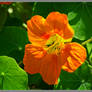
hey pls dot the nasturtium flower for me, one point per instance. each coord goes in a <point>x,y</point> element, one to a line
<point>51,48</point>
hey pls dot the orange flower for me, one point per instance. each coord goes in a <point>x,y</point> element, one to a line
<point>5,3</point>
<point>51,49</point>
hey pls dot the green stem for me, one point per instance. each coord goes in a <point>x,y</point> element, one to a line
<point>24,25</point>
<point>2,75</point>
<point>87,41</point>
<point>88,63</point>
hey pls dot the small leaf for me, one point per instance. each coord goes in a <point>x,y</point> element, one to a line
<point>69,80</point>
<point>85,86</point>
<point>83,71</point>
<point>12,77</point>
<point>89,50</point>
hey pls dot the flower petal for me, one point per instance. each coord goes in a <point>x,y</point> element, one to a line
<point>50,69</point>
<point>36,60</point>
<point>68,33</point>
<point>73,55</point>
<point>32,58</point>
<point>59,23</point>
<point>35,40</point>
<point>37,29</point>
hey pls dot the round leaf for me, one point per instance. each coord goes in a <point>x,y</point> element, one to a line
<point>12,77</point>
<point>12,38</point>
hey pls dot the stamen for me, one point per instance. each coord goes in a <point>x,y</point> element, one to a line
<point>54,44</point>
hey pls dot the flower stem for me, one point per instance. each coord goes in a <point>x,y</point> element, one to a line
<point>87,41</point>
<point>24,25</point>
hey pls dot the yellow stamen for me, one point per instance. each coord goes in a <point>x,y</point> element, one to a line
<point>54,44</point>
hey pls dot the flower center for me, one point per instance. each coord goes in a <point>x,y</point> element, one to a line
<point>54,44</point>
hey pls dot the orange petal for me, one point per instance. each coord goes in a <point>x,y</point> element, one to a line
<point>59,23</point>
<point>68,33</point>
<point>35,40</point>
<point>50,69</point>
<point>32,58</point>
<point>73,55</point>
<point>37,28</point>
<point>37,61</point>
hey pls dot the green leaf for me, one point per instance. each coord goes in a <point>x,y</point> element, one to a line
<point>12,38</point>
<point>81,21</point>
<point>89,50</point>
<point>83,72</point>
<point>69,81</point>
<point>85,86</point>
<point>12,77</point>
<point>79,15</point>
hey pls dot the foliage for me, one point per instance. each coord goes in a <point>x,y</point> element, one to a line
<point>11,75</point>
